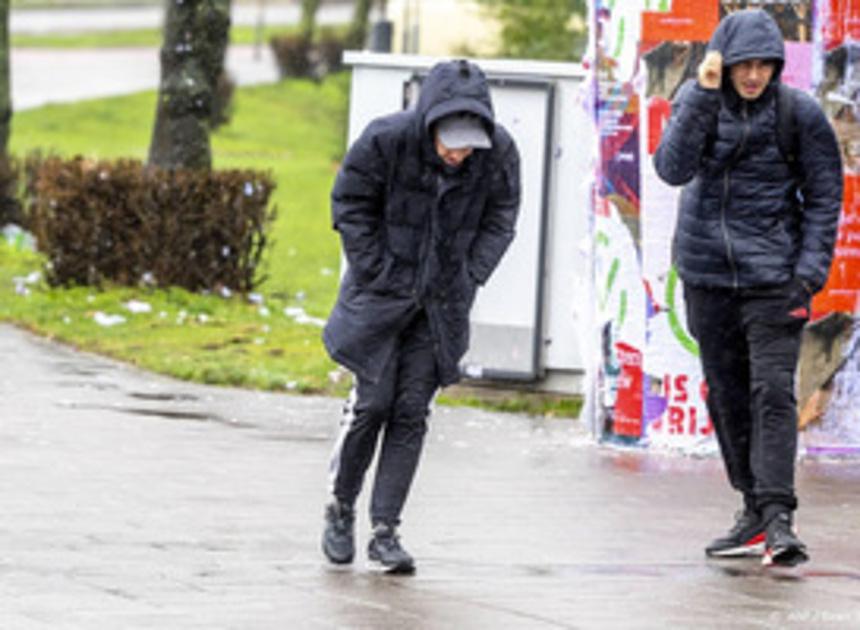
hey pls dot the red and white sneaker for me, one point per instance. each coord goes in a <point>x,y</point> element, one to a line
<point>745,538</point>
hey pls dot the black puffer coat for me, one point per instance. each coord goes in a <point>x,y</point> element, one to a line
<point>744,221</point>
<point>416,233</point>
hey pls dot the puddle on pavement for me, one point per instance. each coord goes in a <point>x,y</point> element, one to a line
<point>168,414</point>
<point>804,572</point>
<point>101,387</point>
<point>79,370</point>
<point>286,437</point>
<point>163,397</point>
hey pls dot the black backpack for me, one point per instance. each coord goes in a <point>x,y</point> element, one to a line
<point>787,137</point>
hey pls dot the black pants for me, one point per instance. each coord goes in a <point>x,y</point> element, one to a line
<point>749,342</point>
<point>397,406</point>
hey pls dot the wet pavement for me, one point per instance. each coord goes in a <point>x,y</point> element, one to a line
<point>135,501</point>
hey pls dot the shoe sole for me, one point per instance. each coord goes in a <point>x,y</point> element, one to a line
<point>391,569</point>
<point>335,559</point>
<point>787,557</point>
<point>753,547</point>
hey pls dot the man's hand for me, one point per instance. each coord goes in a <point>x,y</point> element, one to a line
<point>711,70</point>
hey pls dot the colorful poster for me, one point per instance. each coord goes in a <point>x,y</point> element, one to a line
<point>620,321</point>
<point>648,361</point>
<point>829,373</point>
<point>617,272</point>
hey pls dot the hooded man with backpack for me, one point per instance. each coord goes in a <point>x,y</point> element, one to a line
<point>425,203</point>
<point>754,240</point>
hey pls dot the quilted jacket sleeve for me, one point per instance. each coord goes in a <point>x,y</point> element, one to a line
<point>498,221</point>
<point>821,191</point>
<point>694,115</point>
<point>358,201</point>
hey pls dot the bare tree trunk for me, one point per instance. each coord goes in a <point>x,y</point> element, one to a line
<point>309,18</point>
<point>5,92</point>
<point>357,35</point>
<point>222,84</point>
<point>195,38</point>
<point>10,209</point>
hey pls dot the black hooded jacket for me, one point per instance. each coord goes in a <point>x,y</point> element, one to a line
<point>416,233</point>
<point>747,218</point>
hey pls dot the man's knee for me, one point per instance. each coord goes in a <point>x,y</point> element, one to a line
<point>774,389</point>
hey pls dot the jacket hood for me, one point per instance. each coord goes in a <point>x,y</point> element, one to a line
<point>749,34</point>
<point>452,87</point>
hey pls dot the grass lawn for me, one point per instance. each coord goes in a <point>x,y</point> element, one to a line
<point>153,37</point>
<point>296,130</point>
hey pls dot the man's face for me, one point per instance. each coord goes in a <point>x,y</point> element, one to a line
<point>452,157</point>
<point>750,78</point>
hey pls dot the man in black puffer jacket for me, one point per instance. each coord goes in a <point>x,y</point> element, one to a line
<point>425,202</point>
<point>753,243</point>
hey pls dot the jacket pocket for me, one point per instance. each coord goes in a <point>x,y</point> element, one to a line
<point>396,278</point>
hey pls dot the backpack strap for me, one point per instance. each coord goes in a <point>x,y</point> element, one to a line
<point>786,125</point>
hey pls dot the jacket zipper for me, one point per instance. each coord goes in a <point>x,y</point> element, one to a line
<point>427,244</point>
<point>726,187</point>
<point>429,233</point>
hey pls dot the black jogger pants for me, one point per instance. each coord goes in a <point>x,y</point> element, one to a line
<point>397,406</point>
<point>749,340</point>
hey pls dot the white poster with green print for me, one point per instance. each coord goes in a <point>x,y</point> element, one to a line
<point>674,409</point>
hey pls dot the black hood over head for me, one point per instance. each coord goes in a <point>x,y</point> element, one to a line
<point>749,34</point>
<point>452,87</point>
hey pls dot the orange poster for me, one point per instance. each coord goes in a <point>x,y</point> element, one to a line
<point>689,20</point>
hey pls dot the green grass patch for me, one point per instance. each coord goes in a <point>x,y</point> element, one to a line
<point>145,37</point>
<point>208,339</point>
<point>296,130</point>
<point>513,401</point>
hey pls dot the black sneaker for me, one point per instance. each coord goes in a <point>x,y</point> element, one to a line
<point>783,547</point>
<point>385,552</point>
<point>746,538</point>
<point>338,542</point>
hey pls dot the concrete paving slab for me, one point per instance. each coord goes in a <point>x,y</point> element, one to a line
<point>136,501</point>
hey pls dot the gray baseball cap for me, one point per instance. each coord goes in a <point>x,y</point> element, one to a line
<point>462,131</point>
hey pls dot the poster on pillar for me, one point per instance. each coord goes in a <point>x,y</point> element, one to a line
<point>617,274</point>
<point>829,372</point>
<point>673,44</point>
<point>643,52</point>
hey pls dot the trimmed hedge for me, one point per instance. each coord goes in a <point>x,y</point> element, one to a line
<point>124,222</point>
<point>293,55</point>
<point>297,56</point>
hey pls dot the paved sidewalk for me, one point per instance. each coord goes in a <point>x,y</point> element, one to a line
<point>135,501</point>
<point>117,18</point>
<point>45,75</point>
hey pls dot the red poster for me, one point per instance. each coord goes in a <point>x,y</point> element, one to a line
<point>852,20</point>
<point>628,405</point>
<point>843,286</point>
<point>840,20</point>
